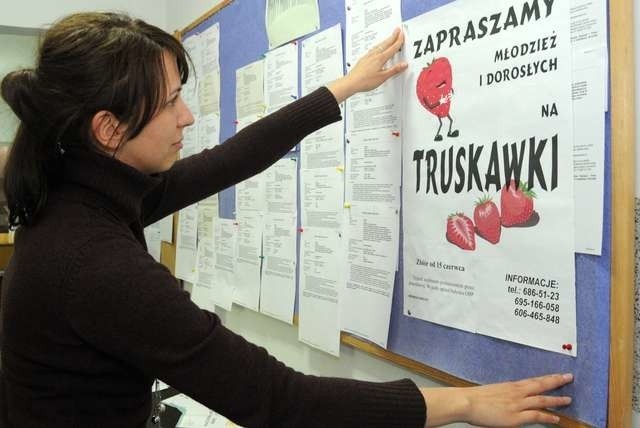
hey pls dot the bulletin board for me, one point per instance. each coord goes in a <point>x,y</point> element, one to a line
<point>604,284</point>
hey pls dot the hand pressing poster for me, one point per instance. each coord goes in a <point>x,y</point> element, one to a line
<point>488,171</point>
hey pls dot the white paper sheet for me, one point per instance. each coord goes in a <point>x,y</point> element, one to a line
<point>286,20</point>
<point>589,38</point>
<point>281,76</point>
<point>281,187</point>
<point>166,228</point>
<point>224,243</point>
<point>250,90</point>
<point>243,122</point>
<point>376,113</point>
<point>323,148</point>
<point>322,197</point>
<point>208,137</point>
<point>206,290</point>
<point>588,23</point>
<point>248,260</point>
<point>207,216</point>
<point>321,59</point>
<point>251,195</point>
<point>208,131</point>
<point>588,159</point>
<point>372,247</point>
<point>504,102</point>
<point>154,243</point>
<point>209,74</point>
<point>189,91</point>
<point>321,282</point>
<point>322,64</point>
<point>186,245</point>
<point>278,288</point>
<point>373,172</point>
<point>196,415</point>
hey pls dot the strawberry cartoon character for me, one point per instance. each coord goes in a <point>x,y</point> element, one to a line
<point>434,89</point>
<point>460,231</point>
<point>516,203</point>
<point>487,220</point>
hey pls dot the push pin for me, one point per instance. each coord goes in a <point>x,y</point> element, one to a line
<point>347,205</point>
<point>300,230</point>
<point>340,168</point>
<point>569,347</point>
<point>294,97</point>
<point>395,134</point>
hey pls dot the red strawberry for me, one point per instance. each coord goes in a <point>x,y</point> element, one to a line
<point>487,219</point>
<point>460,231</point>
<point>516,203</point>
<point>433,87</point>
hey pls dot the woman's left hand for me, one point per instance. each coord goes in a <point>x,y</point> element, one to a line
<point>369,71</point>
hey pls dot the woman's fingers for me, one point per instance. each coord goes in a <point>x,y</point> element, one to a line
<point>392,71</point>
<point>536,416</point>
<point>388,42</point>
<point>539,385</point>
<point>545,402</point>
<point>396,44</point>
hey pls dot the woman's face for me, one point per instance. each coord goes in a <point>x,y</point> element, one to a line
<point>156,147</point>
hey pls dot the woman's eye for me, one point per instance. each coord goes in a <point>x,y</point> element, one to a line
<point>172,102</point>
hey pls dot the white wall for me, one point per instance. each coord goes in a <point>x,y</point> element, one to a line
<point>16,51</point>
<point>184,12</point>
<point>40,14</point>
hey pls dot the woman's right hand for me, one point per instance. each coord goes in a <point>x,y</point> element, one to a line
<point>369,72</point>
<point>498,405</point>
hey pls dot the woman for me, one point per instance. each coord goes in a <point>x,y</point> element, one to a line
<point>90,319</point>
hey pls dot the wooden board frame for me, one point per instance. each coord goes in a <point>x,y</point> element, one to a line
<point>622,72</point>
<point>623,212</point>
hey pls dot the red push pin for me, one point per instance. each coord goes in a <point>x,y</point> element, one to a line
<point>236,122</point>
<point>300,230</point>
<point>564,346</point>
<point>395,134</point>
<point>569,347</point>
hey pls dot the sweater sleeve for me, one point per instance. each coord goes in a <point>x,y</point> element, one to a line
<point>244,155</point>
<point>131,308</point>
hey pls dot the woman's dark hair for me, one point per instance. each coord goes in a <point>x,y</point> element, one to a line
<point>87,62</point>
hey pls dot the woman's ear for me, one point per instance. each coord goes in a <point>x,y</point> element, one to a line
<point>107,130</point>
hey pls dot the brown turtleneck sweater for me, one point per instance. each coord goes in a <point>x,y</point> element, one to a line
<point>89,318</point>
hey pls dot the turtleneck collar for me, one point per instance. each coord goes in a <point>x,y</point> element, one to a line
<point>120,186</point>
